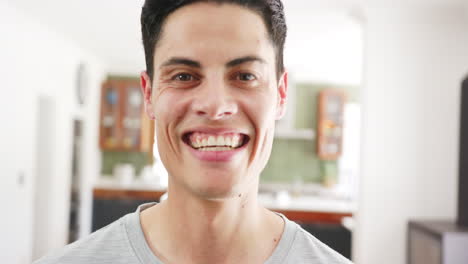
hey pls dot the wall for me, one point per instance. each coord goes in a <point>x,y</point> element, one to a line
<point>415,59</point>
<point>324,45</point>
<point>16,154</point>
<point>296,159</point>
<point>323,50</point>
<point>112,158</point>
<point>41,63</point>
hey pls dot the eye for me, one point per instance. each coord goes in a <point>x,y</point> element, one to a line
<point>183,77</point>
<point>246,77</point>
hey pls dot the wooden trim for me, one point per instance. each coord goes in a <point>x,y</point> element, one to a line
<point>127,194</point>
<point>122,92</point>
<point>101,116</point>
<point>316,217</point>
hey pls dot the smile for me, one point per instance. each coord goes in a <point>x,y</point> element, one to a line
<point>210,146</point>
<point>214,142</point>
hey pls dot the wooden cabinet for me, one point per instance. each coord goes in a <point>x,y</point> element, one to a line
<point>330,124</point>
<point>124,125</point>
<point>335,236</point>
<point>107,211</point>
<point>111,204</point>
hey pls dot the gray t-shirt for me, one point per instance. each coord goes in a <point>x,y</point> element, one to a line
<point>123,242</point>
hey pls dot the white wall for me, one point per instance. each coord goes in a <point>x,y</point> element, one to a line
<point>323,44</point>
<point>415,59</point>
<point>42,63</point>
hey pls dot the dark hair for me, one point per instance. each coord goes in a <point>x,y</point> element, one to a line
<point>155,12</point>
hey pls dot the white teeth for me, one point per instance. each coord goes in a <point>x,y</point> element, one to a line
<point>211,141</point>
<point>215,143</point>
<point>220,141</point>
<point>236,141</point>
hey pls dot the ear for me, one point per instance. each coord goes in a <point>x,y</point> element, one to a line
<point>146,89</point>
<point>282,96</point>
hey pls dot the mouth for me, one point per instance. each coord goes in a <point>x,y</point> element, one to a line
<point>202,141</point>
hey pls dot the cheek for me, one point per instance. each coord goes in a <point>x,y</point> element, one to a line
<point>262,116</point>
<point>168,106</point>
<point>262,110</point>
<point>169,109</point>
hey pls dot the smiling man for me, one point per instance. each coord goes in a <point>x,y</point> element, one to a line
<point>215,84</point>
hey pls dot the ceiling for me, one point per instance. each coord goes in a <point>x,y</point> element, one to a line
<point>110,28</point>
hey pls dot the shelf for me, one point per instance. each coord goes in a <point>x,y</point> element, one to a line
<point>308,134</point>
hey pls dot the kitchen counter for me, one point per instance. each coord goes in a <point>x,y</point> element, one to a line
<point>305,208</point>
<point>309,208</point>
<point>308,204</point>
<point>107,182</point>
<point>108,188</point>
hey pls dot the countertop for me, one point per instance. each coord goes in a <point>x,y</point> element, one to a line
<point>307,203</point>
<point>279,201</point>
<point>108,182</point>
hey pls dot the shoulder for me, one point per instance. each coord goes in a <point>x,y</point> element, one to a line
<point>107,245</point>
<point>308,249</point>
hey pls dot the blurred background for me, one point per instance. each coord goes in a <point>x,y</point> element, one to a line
<point>366,158</point>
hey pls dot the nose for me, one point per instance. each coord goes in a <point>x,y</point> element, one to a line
<point>213,101</point>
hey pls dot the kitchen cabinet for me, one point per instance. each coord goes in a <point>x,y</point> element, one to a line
<point>326,226</point>
<point>124,125</point>
<point>330,124</point>
<point>335,236</point>
<point>111,204</point>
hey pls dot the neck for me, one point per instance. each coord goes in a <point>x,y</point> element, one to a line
<point>188,229</point>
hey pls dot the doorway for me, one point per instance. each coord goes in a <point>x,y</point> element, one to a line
<point>74,213</point>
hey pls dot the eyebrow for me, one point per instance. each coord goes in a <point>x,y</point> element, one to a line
<point>245,59</point>
<point>181,61</point>
<point>196,64</point>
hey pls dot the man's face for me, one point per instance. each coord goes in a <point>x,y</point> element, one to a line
<point>215,98</point>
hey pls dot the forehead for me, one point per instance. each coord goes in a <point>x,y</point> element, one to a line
<point>211,32</point>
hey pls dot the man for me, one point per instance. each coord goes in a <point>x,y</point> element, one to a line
<point>215,84</point>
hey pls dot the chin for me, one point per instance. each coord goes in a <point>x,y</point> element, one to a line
<point>215,189</point>
<point>215,194</point>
